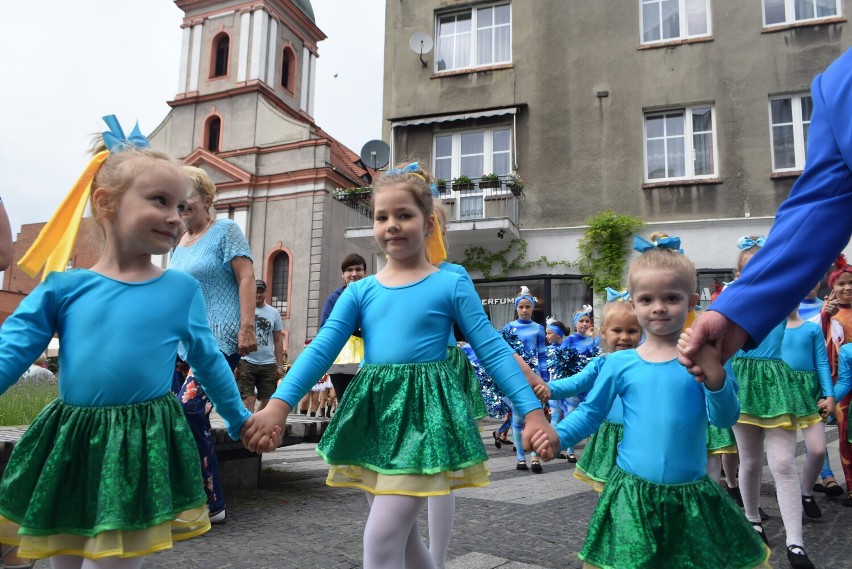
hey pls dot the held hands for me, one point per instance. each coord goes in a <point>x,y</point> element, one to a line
<point>708,359</point>
<point>246,340</point>
<point>541,390</point>
<point>711,328</point>
<point>539,436</point>
<point>826,406</point>
<point>262,431</point>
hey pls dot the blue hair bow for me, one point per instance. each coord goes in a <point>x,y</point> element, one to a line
<point>413,169</point>
<point>613,295</point>
<point>115,140</point>
<point>747,242</point>
<point>640,244</point>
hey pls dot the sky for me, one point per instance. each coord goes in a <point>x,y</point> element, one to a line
<point>67,64</point>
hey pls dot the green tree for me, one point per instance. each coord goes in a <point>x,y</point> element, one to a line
<point>604,248</point>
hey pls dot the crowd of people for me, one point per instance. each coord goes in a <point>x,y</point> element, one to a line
<point>119,467</point>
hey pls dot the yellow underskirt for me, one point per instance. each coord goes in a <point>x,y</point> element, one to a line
<point>583,477</point>
<point>111,543</point>
<point>787,421</point>
<point>730,449</point>
<point>442,483</point>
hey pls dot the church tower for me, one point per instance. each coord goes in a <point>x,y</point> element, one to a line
<point>244,113</point>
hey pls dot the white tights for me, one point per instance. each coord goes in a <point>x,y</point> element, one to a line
<point>392,535</point>
<point>77,562</point>
<point>781,455</point>
<point>729,465</point>
<point>442,510</point>
<point>815,445</point>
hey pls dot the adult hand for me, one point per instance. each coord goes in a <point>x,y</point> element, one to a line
<point>715,328</point>
<point>246,340</point>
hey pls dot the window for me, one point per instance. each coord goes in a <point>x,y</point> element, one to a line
<point>664,20</point>
<point>288,69</point>
<point>474,38</point>
<point>680,144</point>
<point>220,56</point>
<point>779,12</point>
<point>280,281</point>
<point>473,153</point>
<point>214,132</point>
<point>789,119</point>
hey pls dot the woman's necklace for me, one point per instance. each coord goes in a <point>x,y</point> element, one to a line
<point>199,233</point>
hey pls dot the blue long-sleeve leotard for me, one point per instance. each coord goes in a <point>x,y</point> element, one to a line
<point>409,324</point>
<point>844,373</point>
<point>119,340</point>
<point>582,382</point>
<point>585,345</point>
<point>803,349</point>
<point>770,347</point>
<point>458,269</point>
<point>665,409</point>
<point>532,336</point>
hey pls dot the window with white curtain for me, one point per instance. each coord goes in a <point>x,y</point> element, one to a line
<point>789,120</point>
<point>779,12</point>
<point>664,20</point>
<point>680,144</point>
<point>474,38</point>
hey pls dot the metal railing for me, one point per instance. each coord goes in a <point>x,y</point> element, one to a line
<point>475,201</point>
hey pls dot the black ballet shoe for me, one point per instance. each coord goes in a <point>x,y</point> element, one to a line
<point>833,489</point>
<point>572,458</point>
<point>522,465</point>
<point>758,527</point>
<point>497,442</point>
<point>735,494</point>
<point>810,507</point>
<point>536,467</point>
<point>798,558</point>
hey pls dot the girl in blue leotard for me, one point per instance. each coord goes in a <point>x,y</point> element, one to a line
<point>404,431</point>
<point>109,472</point>
<point>659,507</point>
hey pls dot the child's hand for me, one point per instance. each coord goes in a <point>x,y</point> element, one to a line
<point>542,391</point>
<point>263,430</point>
<point>709,359</point>
<point>826,406</point>
<point>535,421</point>
<point>541,444</point>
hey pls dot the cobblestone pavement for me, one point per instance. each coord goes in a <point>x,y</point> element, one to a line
<point>521,521</point>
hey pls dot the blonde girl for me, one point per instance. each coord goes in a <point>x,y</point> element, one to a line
<point>659,508</point>
<point>109,472</point>
<point>404,431</point>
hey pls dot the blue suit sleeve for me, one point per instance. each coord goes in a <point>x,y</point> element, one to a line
<point>27,332</point>
<point>541,345</point>
<point>578,383</point>
<point>586,418</point>
<point>844,373</point>
<point>807,216</point>
<point>318,356</point>
<point>723,407</point>
<point>821,364</point>
<point>211,368</point>
<point>495,355</point>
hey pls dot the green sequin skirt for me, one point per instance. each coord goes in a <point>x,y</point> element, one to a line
<point>100,481</point>
<point>720,441</point>
<point>469,381</point>
<point>405,429</point>
<point>641,524</point>
<point>770,395</point>
<point>598,458</point>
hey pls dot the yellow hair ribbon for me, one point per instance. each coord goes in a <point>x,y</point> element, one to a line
<point>435,251</point>
<point>419,175</point>
<point>52,248</point>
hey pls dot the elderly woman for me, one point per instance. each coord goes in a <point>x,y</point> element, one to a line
<point>217,254</point>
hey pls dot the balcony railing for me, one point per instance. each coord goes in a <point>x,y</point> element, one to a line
<point>479,200</point>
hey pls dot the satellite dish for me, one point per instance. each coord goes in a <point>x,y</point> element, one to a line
<point>421,43</point>
<point>375,154</point>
